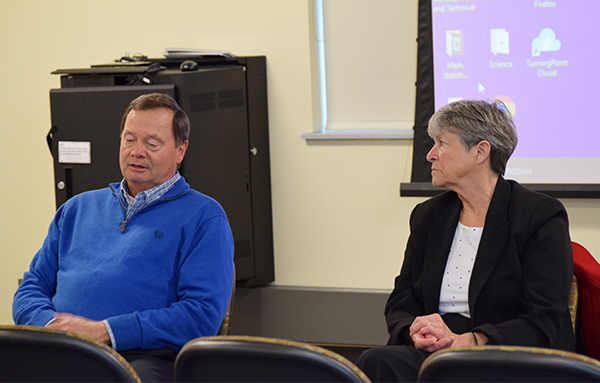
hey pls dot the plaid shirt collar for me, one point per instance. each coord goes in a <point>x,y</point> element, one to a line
<point>145,198</point>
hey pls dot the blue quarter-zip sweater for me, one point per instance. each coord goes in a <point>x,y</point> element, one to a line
<point>160,279</point>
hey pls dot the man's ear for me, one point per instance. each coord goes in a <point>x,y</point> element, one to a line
<point>181,151</point>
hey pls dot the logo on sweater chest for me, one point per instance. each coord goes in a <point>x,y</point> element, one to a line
<point>158,234</point>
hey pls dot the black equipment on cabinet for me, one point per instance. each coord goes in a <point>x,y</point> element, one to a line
<point>228,154</point>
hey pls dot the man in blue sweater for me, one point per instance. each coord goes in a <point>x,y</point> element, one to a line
<point>144,265</point>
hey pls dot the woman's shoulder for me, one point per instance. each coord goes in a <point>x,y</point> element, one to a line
<point>440,207</point>
<point>439,201</point>
<point>526,205</point>
<point>522,195</point>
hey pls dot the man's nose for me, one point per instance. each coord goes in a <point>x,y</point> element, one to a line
<point>138,149</point>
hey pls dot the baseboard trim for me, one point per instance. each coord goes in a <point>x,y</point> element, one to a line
<point>334,317</point>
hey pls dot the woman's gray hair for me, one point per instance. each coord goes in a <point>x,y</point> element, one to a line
<point>474,121</point>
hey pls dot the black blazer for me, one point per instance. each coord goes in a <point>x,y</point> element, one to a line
<point>519,288</point>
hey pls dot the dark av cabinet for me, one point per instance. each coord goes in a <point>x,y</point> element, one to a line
<point>228,154</point>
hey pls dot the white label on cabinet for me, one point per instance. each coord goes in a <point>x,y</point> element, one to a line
<point>74,152</point>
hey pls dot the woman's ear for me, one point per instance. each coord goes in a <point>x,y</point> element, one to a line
<point>483,149</point>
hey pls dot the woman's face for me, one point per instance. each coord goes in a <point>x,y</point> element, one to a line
<point>451,162</point>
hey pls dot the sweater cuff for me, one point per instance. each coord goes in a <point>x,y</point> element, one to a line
<point>126,332</point>
<point>113,342</point>
<point>41,320</point>
<point>50,321</point>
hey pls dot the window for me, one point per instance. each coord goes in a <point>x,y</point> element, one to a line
<point>366,55</point>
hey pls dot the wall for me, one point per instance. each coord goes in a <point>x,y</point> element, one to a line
<point>338,218</point>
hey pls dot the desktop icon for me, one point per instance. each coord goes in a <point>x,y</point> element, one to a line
<point>545,42</point>
<point>454,43</point>
<point>499,41</point>
<point>509,104</point>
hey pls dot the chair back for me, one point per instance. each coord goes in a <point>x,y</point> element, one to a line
<point>508,364</point>
<point>259,359</point>
<point>37,354</point>
<point>574,303</point>
<point>224,328</point>
<point>587,271</point>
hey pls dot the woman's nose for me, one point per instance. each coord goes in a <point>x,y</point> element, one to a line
<point>432,154</point>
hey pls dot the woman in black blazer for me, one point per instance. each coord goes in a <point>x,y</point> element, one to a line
<point>487,262</point>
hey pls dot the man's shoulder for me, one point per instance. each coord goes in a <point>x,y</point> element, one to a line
<point>90,196</point>
<point>194,200</point>
<point>199,196</point>
<point>87,202</point>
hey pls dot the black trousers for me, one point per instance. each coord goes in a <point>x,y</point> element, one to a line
<point>402,363</point>
<point>154,365</point>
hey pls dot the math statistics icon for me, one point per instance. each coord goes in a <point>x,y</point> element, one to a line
<point>508,102</point>
<point>454,43</point>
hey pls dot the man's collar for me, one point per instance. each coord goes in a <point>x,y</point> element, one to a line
<point>152,192</point>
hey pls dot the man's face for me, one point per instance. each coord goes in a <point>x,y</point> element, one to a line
<point>148,155</point>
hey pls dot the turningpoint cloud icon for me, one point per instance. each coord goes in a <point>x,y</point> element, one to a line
<point>545,42</point>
